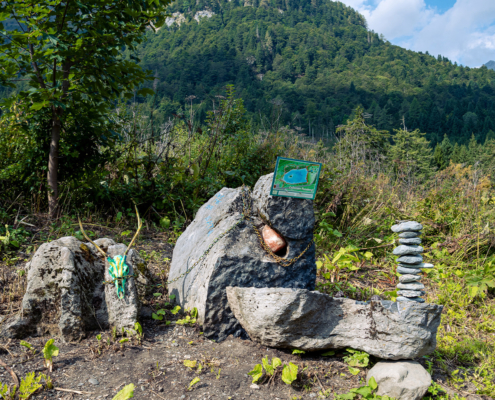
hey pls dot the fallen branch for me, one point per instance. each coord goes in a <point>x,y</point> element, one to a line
<point>12,373</point>
<point>73,391</point>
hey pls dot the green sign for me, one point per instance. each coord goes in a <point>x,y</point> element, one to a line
<point>295,178</point>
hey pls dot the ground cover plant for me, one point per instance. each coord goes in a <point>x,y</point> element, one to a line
<point>171,170</point>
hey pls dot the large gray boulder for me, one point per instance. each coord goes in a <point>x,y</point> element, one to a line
<point>65,294</point>
<point>297,318</point>
<point>237,258</point>
<point>402,380</point>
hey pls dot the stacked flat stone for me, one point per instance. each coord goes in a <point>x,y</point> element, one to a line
<point>410,261</point>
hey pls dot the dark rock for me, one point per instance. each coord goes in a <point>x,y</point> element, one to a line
<point>409,234</point>
<point>410,259</point>
<point>339,294</point>
<point>410,241</point>
<point>238,258</point>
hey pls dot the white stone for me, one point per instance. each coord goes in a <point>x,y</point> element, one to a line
<point>402,380</point>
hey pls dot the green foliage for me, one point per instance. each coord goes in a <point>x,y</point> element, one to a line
<point>256,372</point>
<point>357,358</point>
<point>289,373</point>
<point>364,392</point>
<point>50,351</point>
<point>480,280</point>
<point>127,392</point>
<point>193,382</point>
<point>30,384</point>
<point>28,346</point>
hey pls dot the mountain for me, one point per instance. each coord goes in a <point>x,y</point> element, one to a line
<point>310,63</point>
<point>490,65</point>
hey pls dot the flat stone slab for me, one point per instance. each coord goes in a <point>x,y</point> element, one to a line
<point>411,286</point>
<point>409,234</point>
<point>407,227</point>
<point>409,278</point>
<point>408,271</point>
<point>298,318</point>
<point>404,250</point>
<point>409,241</point>
<point>410,259</point>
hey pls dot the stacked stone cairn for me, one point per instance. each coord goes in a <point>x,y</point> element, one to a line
<point>410,261</point>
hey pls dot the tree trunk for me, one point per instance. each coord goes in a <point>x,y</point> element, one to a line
<point>53,166</point>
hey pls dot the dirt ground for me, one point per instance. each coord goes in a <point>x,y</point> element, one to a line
<point>93,369</point>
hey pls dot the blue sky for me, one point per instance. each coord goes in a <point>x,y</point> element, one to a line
<point>462,30</point>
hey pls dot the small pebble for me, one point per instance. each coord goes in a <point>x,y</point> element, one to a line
<point>254,386</point>
<point>80,384</point>
<point>409,234</point>
<point>93,381</point>
<point>142,389</point>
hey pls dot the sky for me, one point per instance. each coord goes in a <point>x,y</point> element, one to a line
<point>461,30</point>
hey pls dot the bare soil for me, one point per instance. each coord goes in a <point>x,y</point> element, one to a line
<point>99,369</point>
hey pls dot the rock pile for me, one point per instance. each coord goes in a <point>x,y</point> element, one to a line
<point>65,294</point>
<point>410,261</point>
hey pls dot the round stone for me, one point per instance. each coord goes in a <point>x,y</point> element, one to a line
<point>93,381</point>
<point>407,226</point>
<point>410,259</point>
<point>407,235</point>
<point>410,241</point>
<point>416,299</point>
<point>409,278</point>
<point>407,271</point>
<point>411,293</point>
<point>411,286</point>
<point>407,250</point>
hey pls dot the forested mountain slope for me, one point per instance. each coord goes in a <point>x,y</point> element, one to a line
<point>316,61</point>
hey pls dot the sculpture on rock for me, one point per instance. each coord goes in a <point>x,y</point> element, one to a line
<point>222,247</point>
<point>66,294</point>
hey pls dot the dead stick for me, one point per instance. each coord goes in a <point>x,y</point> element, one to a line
<point>14,376</point>
<point>72,391</point>
<point>322,388</point>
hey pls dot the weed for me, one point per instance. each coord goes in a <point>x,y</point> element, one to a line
<point>50,351</point>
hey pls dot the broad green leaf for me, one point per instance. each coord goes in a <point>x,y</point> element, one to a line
<point>50,350</point>
<point>175,310</point>
<point>121,341</point>
<point>364,391</point>
<point>156,316</point>
<point>256,373</point>
<point>138,328</point>
<point>353,371</point>
<point>267,365</point>
<point>190,363</point>
<point>296,351</point>
<point>194,313</point>
<point>372,383</point>
<point>289,373</point>
<point>126,393</point>
<point>276,362</point>
<point>193,382</point>
<point>157,294</point>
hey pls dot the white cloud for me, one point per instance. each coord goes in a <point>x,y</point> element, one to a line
<point>464,33</point>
